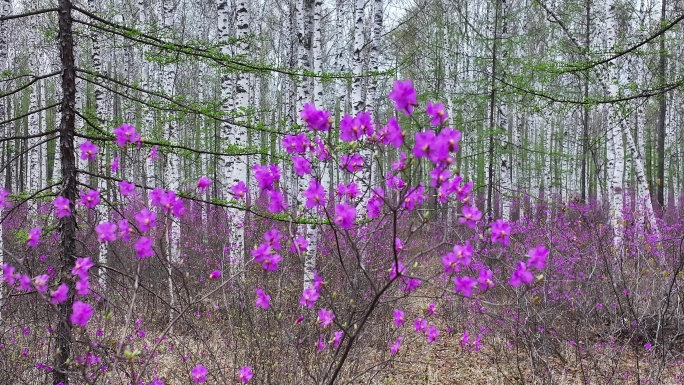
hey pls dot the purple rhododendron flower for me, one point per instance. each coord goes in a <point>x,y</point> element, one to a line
<point>414,198</point>
<point>154,154</point>
<point>126,134</point>
<point>239,190</point>
<point>106,232</point>
<point>59,295</point>
<point>266,176</point>
<point>199,374</point>
<point>263,300</point>
<point>344,215</point>
<point>156,196</point>
<point>351,163</point>
<point>62,207</point>
<point>404,96</point>
<point>83,287</point>
<point>485,279</point>
<point>88,151</point>
<point>315,119</point>
<point>325,317</point>
<point>8,274</point>
<point>203,183</point>
<point>81,267</point>
<point>143,248</point>
<point>471,215</point>
<point>439,176</point>
<point>521,275</point>
<point>437,113</point>
<point>501,232</point>
<point>272,238</point>
<point>90,199</point>
<point>301,165</point>
<point>398,317</point>
<point>392,133</point>
<point>538,257</point>
<point>114,166</point>
<point>24,282</point>
<point>465,285</point>
<point>34,236</point>
<point>309,297</point>
<point>81,313</point>
<point>270,262</point>
<point>296,143</point>
<point>299,245</point>
<point>146,219</point>
<point>411,284</point>
<point>315,195</point>
<point>40,282</point>
<point>450,137</point>
<point>246,374</point>
<point>126,188</point>
<point>337,338</point>
<point>432,334</point>
<point>215,274</point>
<point>420,325</point>
<point>277,203</point>
<point>396,346</point>
<point>126,230</point>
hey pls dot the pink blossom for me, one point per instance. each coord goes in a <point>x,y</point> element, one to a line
<point>203,183</point>
<point>263,300</point>
<point>404,96</point>
<point>88,151</point>
<point>59,295</point>
<point>126,188</point>
<point>246,374</point>
<point>106,232</point>
<point>40,282</point>
<point>437,113</point>
<point>62,207</point>
<point>143,248</point>
<point>33,237</point>
<point>90,199</point>
<point>81,313</point>
<point>325,317</point>
<point>199,374</point>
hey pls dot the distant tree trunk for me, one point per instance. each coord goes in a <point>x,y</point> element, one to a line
<point>173,163</point>
<point>492,108</point>
<point>4,128</point>
<point>225,163</point>
<point>33,175</point>
<point>372,96</point>
<point>67,225</point>
<point>240,135</point>
<point>662,113</point>
<point>101,112</point>
<point>317,53</point>
<point>358,103</point>
<point>505,163</point>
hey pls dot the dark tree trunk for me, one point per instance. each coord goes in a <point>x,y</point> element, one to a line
<point>67,225</point>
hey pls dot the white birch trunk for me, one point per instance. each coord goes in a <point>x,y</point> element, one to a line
<point>101,112</point>
<point>317,54</point>
<point>372,94</point>
<point>240,135</point>
<point>33,174</point>
<point>359,41</point>
<point>173,161</point>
